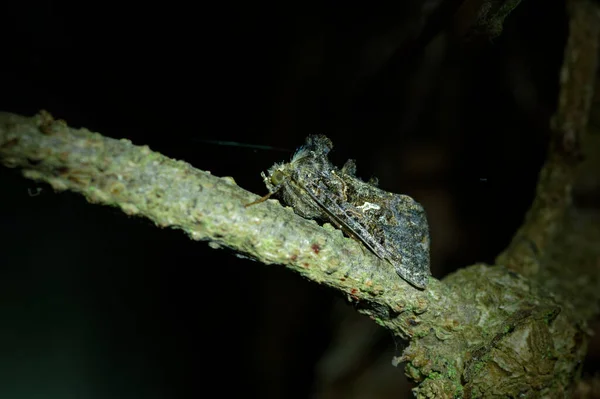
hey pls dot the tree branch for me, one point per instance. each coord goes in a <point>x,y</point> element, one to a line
<point>208,208</point>
<point>556,233</point>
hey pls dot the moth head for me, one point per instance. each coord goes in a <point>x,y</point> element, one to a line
<point>275,177</point>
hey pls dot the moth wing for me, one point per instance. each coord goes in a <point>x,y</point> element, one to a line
<point>339,215</point>
<point>405,245</point>
<point>406,235</point>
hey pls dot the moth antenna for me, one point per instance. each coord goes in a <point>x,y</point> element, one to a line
<point>244,145</point>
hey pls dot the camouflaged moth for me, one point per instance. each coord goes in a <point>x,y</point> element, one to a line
<point>392,226</point>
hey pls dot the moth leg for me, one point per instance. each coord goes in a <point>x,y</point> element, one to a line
<point>264,197</point>
<point>258,201</point>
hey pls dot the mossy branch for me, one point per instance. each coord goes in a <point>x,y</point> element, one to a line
<point>173,194</point>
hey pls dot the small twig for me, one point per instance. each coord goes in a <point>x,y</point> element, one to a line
<point>482,18</point>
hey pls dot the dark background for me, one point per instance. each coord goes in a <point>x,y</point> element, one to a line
<point>97,304</point>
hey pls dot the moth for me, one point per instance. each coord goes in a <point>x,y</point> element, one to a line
<point>392,226</point>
